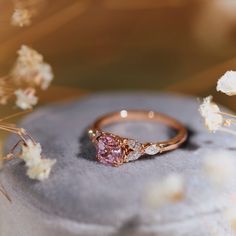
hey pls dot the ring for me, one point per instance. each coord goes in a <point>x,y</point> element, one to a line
<point>115,150</point>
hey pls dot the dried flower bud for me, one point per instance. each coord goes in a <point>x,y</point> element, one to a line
<point>25,99</point>
<point>42,170</point>
<point>21,17</point>
<point>210,112</point>
<point>227,83</point>
<point>37,167</point>
<point>31,153</point>
<point>227,122</point>
<point>31,70</point>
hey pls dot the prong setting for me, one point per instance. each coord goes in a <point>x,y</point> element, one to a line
<point>134,150</point>
<point>152,149</point>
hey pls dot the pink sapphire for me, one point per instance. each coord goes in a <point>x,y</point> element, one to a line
<point>109,150</point>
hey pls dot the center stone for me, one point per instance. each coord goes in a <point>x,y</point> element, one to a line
<point>109,150</point>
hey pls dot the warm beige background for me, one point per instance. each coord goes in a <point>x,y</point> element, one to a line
<point>175,45</point>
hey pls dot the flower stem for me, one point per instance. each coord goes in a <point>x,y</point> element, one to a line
<point>4,192</point>
<point>228,131</point>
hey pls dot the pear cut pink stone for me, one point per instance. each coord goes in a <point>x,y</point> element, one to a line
<point>109,150</point>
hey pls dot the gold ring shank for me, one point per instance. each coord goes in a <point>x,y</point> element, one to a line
<point>137,115</point>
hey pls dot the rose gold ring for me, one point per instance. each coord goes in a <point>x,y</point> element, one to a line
<point>115,150</point>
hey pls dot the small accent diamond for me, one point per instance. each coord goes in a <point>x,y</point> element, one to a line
<point>134,155</point>
<point>133,144</point>
<point>152,149</point>
<point>136,148</point>
<point>93,134</point>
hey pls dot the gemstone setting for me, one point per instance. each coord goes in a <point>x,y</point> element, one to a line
<point>135,150</point>
<point>93,135</point>
<point>152,149</point>
<point>110,150</point>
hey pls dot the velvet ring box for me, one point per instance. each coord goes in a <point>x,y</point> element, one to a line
<point>84,197</point>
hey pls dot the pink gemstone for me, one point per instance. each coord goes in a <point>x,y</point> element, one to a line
<point>109,150</point>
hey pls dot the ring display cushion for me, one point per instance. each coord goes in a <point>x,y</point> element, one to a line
<point>84,197</point>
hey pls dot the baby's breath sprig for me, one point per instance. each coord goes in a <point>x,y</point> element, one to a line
<point>24,12</point>
<point>219,167</point>
<point>214,118</point>
<point>227,83</point>
<point>29,73</point>
<point>21,17</point>
<point>27,149</point>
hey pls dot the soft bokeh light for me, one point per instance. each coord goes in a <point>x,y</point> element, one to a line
<point>109,45</point>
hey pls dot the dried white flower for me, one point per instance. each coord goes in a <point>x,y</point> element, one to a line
<point>210,112</point>
<point>31,153</point>
<point>219,167</point>
<point>21,17</point>
<point>37,167</point>
<point>171,189</point>
<point>29,57</point>
<point>45,77</point>
<point>31,69</point>
<point>42,170</point>
<point>25,99</point>
<point>227,83</point>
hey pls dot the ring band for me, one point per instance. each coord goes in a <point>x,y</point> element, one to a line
<point>115,150</point>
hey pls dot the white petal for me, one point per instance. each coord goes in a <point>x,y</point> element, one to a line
<point>42,170</point>
<point>31,153</point>
<point>210,112</point>
<point>227,83</point>
<point>25,99</point>
<point>46,75</point>
<point>37,167</point>
<point>21,17</point>
<point>31,69</point>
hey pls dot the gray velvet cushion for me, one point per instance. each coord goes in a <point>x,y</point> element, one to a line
<point>84,197</point>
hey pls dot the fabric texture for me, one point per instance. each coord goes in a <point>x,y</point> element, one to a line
<point>84,197</point>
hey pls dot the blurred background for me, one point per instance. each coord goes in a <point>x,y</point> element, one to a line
<point>182,46</point>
